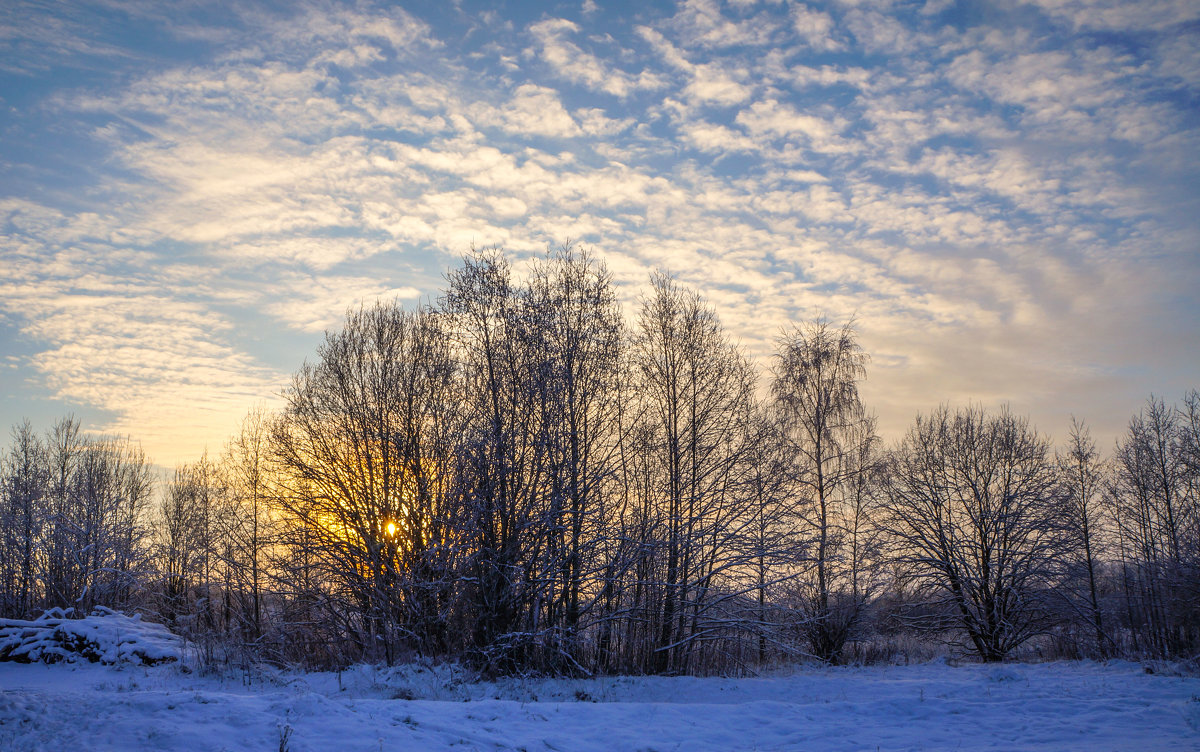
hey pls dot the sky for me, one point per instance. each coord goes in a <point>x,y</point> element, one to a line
<point>1004,195</point>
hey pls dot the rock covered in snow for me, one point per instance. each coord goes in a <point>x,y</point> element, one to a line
<point>104,636</point>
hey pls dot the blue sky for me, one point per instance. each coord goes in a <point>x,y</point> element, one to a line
<point>1004,194</point>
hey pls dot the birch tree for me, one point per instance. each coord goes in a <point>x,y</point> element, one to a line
<point>831,439</point>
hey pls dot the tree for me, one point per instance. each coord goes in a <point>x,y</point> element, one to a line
<point>505,470</point>
<point>119,488</point>
<point>59,575</point>
<point>247,524</point>
<point>696,425</point>
<point>178,535</point>
<point>72,520</point>
<point>1082,480</point>
<point>1156,509</point>
<point>577,337</point>
<point>24,477</point>
<point>973,513</point>
<point>92,537</point>
<point>832,442</point>
<point>364,454</point>
<point>770,545</point>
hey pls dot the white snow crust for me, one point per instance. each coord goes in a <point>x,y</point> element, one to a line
<point>1054,706</point>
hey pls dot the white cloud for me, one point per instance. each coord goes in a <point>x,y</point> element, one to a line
<point>307,251</point>
<point>128,345</point>
<point>317,303</point>
<point>596,122</point>
<point>1049,78</point>
<point>1121,16</point>
<point>878,32</point>
<point>770,119</point>
<point>574,64</point>
<point>815,28</point>
<point>707,83</point>
<point>351,57</point>
<point>700,23</point>
<point>805,176</point>
<point>535,111</point>
<point>710,137</point>
<point>966,193</point>
<point>321,28</point>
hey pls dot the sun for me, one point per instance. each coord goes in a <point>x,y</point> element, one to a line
<point>391,528</point>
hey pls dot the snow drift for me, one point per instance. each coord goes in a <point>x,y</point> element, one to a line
<point>103,636</point>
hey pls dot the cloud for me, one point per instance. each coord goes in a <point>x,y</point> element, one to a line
<point>1156,15</point>
<point>707,83</point>
<point>320,28</point>
<point>318,303</point>
<point>574,64</point>
<point>700,23</point>
<point>533,111</point>
<point>710,137</point>
<point>815,28</point>
<point>126,344</point>
<point>879,32</point>
<point>971,193</point>
<point>33,42</point>
<point>769,120</point>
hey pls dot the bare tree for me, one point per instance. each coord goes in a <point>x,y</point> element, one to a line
<point>59,572</point>
<point>697,423</point>
<point>505,462</point>
<point>1082,480</point>
<point>72,520</point>
<point>771,546</point>
<point>363,453</point>
<point>208,484</point>
<point>861,500</point>
<point>247,533</point>
<point>832,441</point>
<point>24,478</point>
<point>1154,505</point>
<point>429,432</point>
<point>90,543</point>
<point>177,548</point>
<point>576,335</point>
<point>121,560</point>
<point>973,514</point>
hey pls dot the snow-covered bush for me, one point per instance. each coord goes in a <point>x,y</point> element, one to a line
<point>104,635</point>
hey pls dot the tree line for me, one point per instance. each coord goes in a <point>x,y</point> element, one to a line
<point>520,477</point>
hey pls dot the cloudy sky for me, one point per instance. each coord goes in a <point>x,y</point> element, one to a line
<point>1005,194</point>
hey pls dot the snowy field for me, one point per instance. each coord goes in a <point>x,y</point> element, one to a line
<point>1059,706</point>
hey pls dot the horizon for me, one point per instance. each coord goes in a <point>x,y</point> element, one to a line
<point>1002,195</point>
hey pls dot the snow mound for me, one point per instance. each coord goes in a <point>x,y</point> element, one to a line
<point>104,636</point>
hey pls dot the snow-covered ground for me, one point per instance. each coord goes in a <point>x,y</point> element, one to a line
<point>1054,706</point>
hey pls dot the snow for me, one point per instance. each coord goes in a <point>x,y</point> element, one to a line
<point>103,635</point>
<point>935,706</point>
